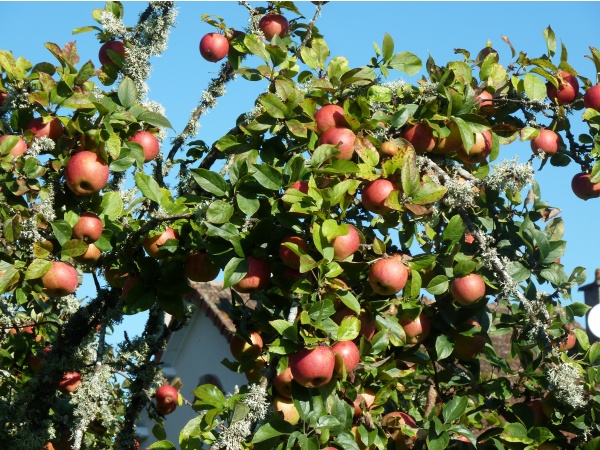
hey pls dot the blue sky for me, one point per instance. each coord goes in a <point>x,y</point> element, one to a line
<point>350,28</point>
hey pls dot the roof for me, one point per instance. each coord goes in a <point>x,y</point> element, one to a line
<point>589,286</point>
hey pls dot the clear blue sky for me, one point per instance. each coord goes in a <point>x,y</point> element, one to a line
<point>423,28</point>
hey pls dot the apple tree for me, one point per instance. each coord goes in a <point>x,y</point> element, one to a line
<point>378,225</point>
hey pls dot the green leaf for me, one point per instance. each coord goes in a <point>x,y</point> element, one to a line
<point>443,347</point>
<point>466,134</point>
<point>593,353</point>
<point>256,46</point>
<point>534,87</point>
<point>271,430</point>
<point>219,212</point>
<point>209,396</point>
<point>349,329</point>
<point>454,408</point>
<point>127,92</point>
<point>154,118</point>
<point>234,271</point>
<point>210,181</point>
<point>387,48</point>
<point>163,445</point>
<point>438,285</point>
<point>515,432</point>
<point>73,248</point>
<point>148,186</point>
<point>464,268</point>
<point>455,230</point>
<point>111,205</point>
<point>550,38</point>
<point>309,56</point>
<point>274,106</point>
<point>410,176</point>
<point>248,206</point>
<point>428,193</point>
<point>268,177</point>
<point>62,230</point>
<point>37,269</point>
<point>406,62</point>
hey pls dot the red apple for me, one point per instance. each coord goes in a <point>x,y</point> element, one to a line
<point>568,343</point>
<point>60,280</point>
<point>547,141</point>
<point>567,90</point>
<point>88,228</point>
<point>91,255</point>
<point>128,285</point>
<point>466,348</point>
<point>330,116</point>
<point>388,148</point>
<point>420,135</point>
<point>485,100</point>
<point>288,257</point>
<point>468,289</point>
<point>301,186</point>
<point>115,46</point>
<point>243,350</point>
<point>388,276</point>
<point>70,382</point>
<point>584,188</point>
<point>152,244</point>
<point>349,353</point>
<point>52,129</point>
<point>148,142</point>
<point>591,98</point>
<point>363,402</point>
<point>480,150</point>
<point>287,408</point>
<point>36,361</point>
<point>536,410</point>
<point>312,367</point>
<point>86,173</point>
<point>345,245</point>
<point>416,330</point>
<point>3,97</point>
<point>199,267</point>
<point>342,136</point>
<point>19,148</point>
<point>166,399</point>
<point>451,143</point>
<point>393,423</point>
<point>272,24</point>
<point>214,47</point>
<point>469,238</point>
<point>256,279</point>
<point>375,193</point>
<point>283,383</point>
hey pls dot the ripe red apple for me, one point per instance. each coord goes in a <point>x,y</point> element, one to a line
<point>388,276</point>
<point>388,148</point>
<point>70,382</point>
<point>91,255</point>
<point>152,244</point>
<point>86,173</point>
<point>88,228</point>
<point>568,343</point>
<point>272,24</point>
<point>3,97</point>
<point>288,257</point>
<point>363,402</point>
<point>243,350</point>
<point>342,136</point>
<point>36,361</point>
<point>375,193</point>
<point>345,245</point>
<point>282,382</point>
<point>546,141</point>
<point>19,148</point>
<point>299,185</point>
<point>420,135</point>
<point>115,277</point>
<point>214,47</point>
<point>567,88</point>
<point>148,142</point>
<point>115,46</point>
<point>480,150</point>
<point>128,285</point>
<point>257,278</point>
<point>60,280</point>
<point>349,353</point>
<point>166,399</point>
<point>591,98</point>
<point>287,408</point>
<point>199,267</point>
<point>466,348</point>
<point>538,414</point>
<point>485,100</point>
<point>52,129</point>
<point>451,143</point>
<point>312,367</point>
<point>330,116</point>
<point>416,330</point>
<point>393,423</point>
<point>469,238</point>
<point>468,289</point>
<point>584,188</point>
